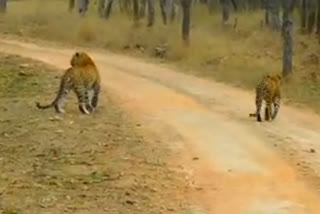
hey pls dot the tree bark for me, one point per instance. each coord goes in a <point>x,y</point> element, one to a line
<point>287,48</point>
<point>303,15</point>
<point>108,9</point>
<point>173,10</point>
<point>135,10</point>
<point>273,9</point>
<point>287,37</point>
<point>186,10</point>
<point>150,12</point>
<point>318,18</point>
<point>101,7</point>
<point>311,21</point>
<point>163,11</point>
<point>82,6</point>
<point>226,9</point>
<point>142,10</point>
<point>311,17</point>
<point>3,6</point>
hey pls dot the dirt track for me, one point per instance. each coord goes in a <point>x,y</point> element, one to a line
<point>243,167</point>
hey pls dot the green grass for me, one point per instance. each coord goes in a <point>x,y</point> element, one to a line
<point>239,57</point>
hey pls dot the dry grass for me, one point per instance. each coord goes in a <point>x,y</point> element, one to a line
<point>238,56</point>
<point>76,164</point>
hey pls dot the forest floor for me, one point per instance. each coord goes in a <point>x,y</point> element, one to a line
<point>73,163</point>
<point>224,161</point>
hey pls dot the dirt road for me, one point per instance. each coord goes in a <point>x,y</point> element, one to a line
<point>235,164</point>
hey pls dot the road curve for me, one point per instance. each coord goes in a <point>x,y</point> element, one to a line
<point>244,167</point>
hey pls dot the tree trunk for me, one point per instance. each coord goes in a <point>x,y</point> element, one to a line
<point>287,37</point>
<point>318,18</point>
<point>273,7</point>
<point>127,6</point>
<point>3,6</point>
<point>311,21</point>
<point>186,10</point>
<point>108,9</point>
<point>101,7</point>
<point>173,10</point>
<point>266,17</point>
<point>135,10</point>
<point>311,17</point>
<point>226,9</point>
<point>150,12</point>
<point>163,11</point>
<point>71,5</point>
<point>142,11</point>
<point>303,15</point>
<point>82,6</point>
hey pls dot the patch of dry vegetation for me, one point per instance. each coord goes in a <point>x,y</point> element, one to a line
<point>51,163</point>
<point>238,56</point>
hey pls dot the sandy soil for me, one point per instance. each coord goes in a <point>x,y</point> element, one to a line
<point>233,164</point>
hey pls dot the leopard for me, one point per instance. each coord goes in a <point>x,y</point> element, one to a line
<point>83,79</point>
<point>268,90</point>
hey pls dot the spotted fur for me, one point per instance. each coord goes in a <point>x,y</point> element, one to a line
<point>82,78</point>
<point>268,90</point>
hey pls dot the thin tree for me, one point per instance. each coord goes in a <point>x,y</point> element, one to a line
<point>303,15</point>
<point>82,6</point>
<point>108,9</point>
<point>186,18</point>
<point>273,10</point>
<point>311,8</point>
<point>318,18</point>
<point>173,10</point>
<point>163,11</point>
<point>142,10</point>
<point>226,9</point>
<point>150,12</point>
<point>287,26</point>
<point>136,10</point>
<point>3,6</point>
<point>101,7</point>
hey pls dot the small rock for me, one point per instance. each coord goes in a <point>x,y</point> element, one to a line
<point>59,132</point>
<point>130,202</point>
<point>25,65</point>
<point>126,47</point>
<point>195,158</point>
<point>171,209</point>
<point>5,134</point>
<point>312,151</point>
<point>55,118</point>
<point>23,73</point>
